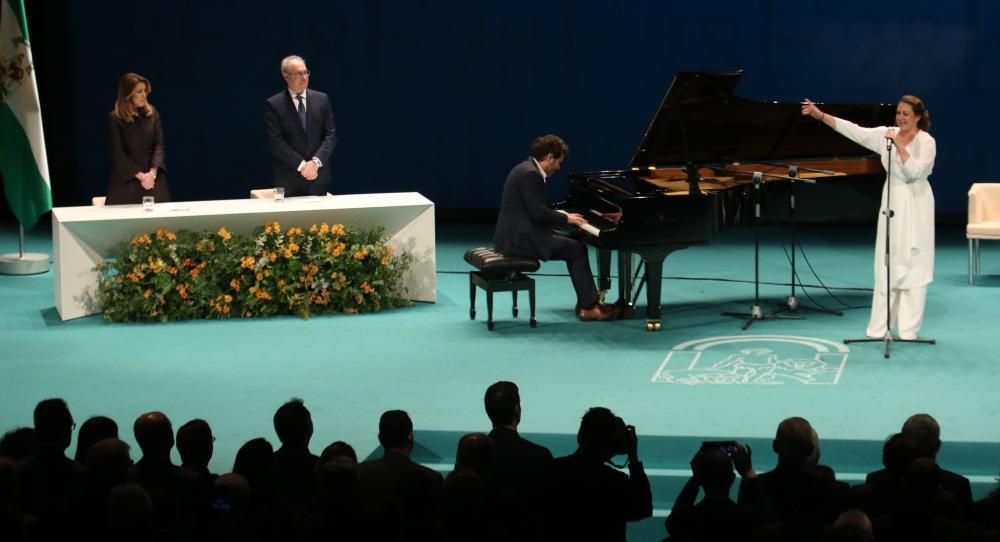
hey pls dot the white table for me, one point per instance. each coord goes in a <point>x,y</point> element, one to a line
<point>83,237</point>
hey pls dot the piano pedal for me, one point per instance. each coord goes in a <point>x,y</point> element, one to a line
<point>653,325</point>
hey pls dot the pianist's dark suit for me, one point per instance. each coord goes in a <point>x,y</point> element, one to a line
<point>524,228</point>
<point>290,144</point>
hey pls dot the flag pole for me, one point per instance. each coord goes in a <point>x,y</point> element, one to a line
<point>23,263</point>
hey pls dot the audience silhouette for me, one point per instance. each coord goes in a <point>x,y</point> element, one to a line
<point>502,487</point>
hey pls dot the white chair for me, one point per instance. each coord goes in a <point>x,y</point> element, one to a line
<point>984,222</point>
<point>98,201</point>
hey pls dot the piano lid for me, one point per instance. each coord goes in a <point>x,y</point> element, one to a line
<point>702,121</point>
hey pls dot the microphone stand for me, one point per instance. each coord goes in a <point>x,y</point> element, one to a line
<point>792,304</point>
<point>755,312</point>
<point>888,213</point>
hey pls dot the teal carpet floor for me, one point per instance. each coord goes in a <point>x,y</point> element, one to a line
<point>700,378</point>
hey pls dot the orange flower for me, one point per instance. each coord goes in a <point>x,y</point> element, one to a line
<point>182,290</point>
<point>235,284</point>
<point>313,229</point>
<point>337,229</point>
<point>324,229</point>
<point>223,233</point>
<point>142,240</point>
<point>195,272</point>
<point>147,293</point>
<point>385,259</point>
<point>227,298</point>
<point>165,235</point>
<point>361,254</point>
<point>247,262</point>
<point>367,288</point>
<point>273,256</point>
<point>272,227</point>
<point>292,246</point>
<point>172,270</point>
<point>155,266</point>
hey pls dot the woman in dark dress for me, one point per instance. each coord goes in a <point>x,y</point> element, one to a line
<point>136,142</point>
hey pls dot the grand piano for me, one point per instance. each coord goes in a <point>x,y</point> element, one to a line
<point>690,175</point>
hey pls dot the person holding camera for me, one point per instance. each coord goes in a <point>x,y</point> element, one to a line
<point>717,517</point>
<point>590,500</point>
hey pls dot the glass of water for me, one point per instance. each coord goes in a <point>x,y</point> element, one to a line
<point>147,203</point>
<point>279,194</point>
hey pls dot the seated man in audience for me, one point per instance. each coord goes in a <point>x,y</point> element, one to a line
<point>883,488</point>
<point>512,489</point>
<point>294,465</point>
<point>166,484</point>
<point>717,517</point>
<point>851,526</point>
<point>586,498</point>
<point>805,500</point>
<point>926,435</point>
<point>47,477</point>
<point>399,495</point>
<point>195,444</point>
<point>475,451</point>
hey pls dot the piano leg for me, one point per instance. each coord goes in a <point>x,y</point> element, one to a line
<point>625,286</point>
<point>654,283</point>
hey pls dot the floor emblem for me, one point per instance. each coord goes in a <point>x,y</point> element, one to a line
<point>754,359</point>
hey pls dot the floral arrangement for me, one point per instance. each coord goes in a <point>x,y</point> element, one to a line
<point>165,276</point>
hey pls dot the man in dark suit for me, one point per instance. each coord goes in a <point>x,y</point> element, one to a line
<point>524,227</point>
<point>300,133</point>
<point>924,433</point>
<point>805,500</point>
<point>519,465</point>
<point>398,494</point>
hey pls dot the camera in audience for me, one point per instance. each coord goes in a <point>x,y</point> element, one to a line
<point>623,436</point>
<point>727,447</point>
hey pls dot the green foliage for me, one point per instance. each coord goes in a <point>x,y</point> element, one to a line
<point>163,276</point>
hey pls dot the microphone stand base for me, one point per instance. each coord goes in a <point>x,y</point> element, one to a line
<point>756,314</point>
<point>888,339</point>
<point>791,305</point>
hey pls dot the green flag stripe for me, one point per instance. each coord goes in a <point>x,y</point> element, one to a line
<point>27,192</point>
<point>17,6</point>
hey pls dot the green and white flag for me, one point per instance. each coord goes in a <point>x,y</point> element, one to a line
<point>23,165</point>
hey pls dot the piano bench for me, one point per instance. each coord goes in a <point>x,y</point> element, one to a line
<point>498,273</point>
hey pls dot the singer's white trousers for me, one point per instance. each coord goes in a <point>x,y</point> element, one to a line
<point>907,312</point>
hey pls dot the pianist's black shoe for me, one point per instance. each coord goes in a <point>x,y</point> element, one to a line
<point>598,312</point>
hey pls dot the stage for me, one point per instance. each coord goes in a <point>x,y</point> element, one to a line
<point>700,378</point>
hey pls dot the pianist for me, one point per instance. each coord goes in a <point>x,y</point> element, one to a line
<point>524,227</point>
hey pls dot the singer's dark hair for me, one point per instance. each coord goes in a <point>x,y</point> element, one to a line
<point>919,110</point>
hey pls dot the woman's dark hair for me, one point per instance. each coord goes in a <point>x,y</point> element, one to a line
<point>91,432</point>
<point>919,110</point>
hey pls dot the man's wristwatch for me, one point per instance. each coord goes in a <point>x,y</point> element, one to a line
<point>317,162</point>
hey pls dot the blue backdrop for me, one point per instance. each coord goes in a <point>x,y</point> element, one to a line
<point>444,97</point>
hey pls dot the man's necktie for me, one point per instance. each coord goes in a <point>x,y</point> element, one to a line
<point>301,109</point>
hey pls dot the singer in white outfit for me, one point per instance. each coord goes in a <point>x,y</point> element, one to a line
<point>912,230</point>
